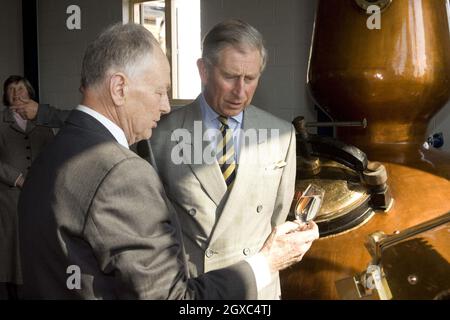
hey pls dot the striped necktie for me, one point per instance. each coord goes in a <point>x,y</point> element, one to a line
<point>225,152</point>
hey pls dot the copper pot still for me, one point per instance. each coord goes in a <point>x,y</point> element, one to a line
<point>397,77</point>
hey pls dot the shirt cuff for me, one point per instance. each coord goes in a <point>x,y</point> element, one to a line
<point>261,270</point>
<point>17,180</point>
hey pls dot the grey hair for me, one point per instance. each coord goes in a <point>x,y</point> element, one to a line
<point>120,47</point>
<point>235,33</point>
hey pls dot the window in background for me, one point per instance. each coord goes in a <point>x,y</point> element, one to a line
<point>176,25</point>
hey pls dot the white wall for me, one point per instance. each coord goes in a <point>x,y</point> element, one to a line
<point>61,50</point>
<point>11,52</point>
<point>189,48</point>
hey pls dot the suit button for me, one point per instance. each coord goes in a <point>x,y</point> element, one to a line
<point>209,253</point>
<point>259,208</point>
<point>26,138</point>
<point>28,168</point>
<point>28,148</point>
<point>192,212</point>
<point>28,158</point>
<point>246,251</point>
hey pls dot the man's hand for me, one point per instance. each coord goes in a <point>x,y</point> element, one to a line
<point>288,243</point>
<point>27,108</point>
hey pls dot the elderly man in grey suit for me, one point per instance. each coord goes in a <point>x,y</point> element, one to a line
<point>94,218</point>
<point>227,210</point>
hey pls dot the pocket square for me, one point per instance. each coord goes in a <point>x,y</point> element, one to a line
<point>279,164</point>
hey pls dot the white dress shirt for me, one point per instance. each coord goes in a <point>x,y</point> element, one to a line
<point>115,130</point>
<point>22,123</point>
<point>211,121</point>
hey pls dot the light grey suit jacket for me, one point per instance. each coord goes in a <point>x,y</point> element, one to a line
<point>220,227</point>
<point>91,203</point>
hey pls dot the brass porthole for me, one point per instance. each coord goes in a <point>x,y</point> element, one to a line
<point>364,4</point>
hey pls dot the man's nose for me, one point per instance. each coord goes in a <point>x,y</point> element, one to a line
<point>165,105</point>
<point>239,88</point>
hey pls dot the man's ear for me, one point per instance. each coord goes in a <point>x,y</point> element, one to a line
<point>202,70</point>
<point>118,88</point>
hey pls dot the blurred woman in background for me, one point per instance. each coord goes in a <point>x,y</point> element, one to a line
<point>20,143</point>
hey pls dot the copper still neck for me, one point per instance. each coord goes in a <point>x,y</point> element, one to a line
<point>398,76</point>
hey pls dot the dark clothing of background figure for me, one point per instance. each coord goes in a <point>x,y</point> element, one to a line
<point>18,149</point>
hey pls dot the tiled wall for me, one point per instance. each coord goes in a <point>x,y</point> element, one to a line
<point>11,52</point>
<point>61,50</point>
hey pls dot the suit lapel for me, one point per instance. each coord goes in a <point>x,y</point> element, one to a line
<point>9,118</point>
<point>209,175</point>
<point>83,120</point>
<point>30,127</point>
<point>250,153</point>
<point>250,157</point>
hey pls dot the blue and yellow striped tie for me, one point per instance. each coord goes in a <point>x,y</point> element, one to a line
<point>225,152</point>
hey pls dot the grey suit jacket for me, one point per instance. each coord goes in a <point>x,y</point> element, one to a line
<point>90,203</point>
<point>18,149</point>
<point>220,227</point>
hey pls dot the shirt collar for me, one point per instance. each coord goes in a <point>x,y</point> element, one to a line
<point>115,130</point>
<point>22,123</point>
<point>210,115</point>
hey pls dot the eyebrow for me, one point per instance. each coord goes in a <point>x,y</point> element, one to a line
<point>247,75</point>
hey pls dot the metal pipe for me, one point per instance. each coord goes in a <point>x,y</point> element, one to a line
<point>338,124</point>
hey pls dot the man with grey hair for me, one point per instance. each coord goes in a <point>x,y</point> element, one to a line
<point>95,222</point>
<point>228,208</point>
